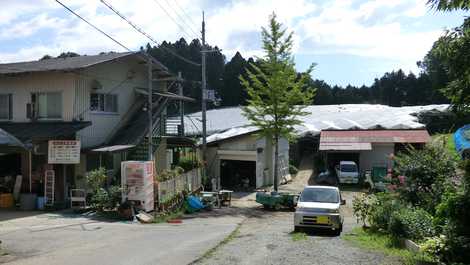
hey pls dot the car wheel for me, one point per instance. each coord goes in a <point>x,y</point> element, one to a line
<point>277,207</point>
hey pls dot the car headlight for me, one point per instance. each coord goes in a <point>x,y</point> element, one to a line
<point>333,210</point>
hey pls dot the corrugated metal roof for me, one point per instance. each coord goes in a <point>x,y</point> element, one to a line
<point>69,63</point>
<point>344,146</point>
<point>112,148</point>
<point>375,136</point>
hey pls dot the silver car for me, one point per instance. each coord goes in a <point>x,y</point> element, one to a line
<point>319,207</point>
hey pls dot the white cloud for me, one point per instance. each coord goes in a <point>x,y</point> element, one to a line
<point>373,29</point>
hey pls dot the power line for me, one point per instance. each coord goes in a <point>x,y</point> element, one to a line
<point>141,31</point>
<point>181,18</point>
<point>174,20</point>
<point>184,12</point>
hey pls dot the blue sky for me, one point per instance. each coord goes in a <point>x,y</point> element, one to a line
<point>352,41</point>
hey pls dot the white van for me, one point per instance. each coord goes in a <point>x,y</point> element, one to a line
<point>347,172</point>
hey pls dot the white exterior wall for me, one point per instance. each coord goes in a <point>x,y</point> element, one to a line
<point>378,155</point>
<point>76,89</point>
<point>22,86</point>
<point>264,159</point>
<point>110,76</point>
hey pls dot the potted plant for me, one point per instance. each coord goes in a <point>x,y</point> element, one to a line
<point>125,210</point>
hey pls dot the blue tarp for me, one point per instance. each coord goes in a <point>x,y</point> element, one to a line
<point>195,203</point>
<point>462,141</point>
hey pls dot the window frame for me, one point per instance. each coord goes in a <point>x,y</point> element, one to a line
<point>101,109</point>
<point>10,106</point>
<point>36,105</point>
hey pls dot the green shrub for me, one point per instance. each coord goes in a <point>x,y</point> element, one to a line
<point>169,174</point>
<point>187,163</point>
<point>434,247</point>
<point>362,206</point>
<point>101,198</point>
<point>453,217</point>
<point>382,207</point>
<point>411,223</point>
<point>293,170</point>
<point>427,172</point>
<point>115,196</point>
<point>96,178</point>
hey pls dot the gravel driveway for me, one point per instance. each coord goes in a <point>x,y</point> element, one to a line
<point>265,237</point>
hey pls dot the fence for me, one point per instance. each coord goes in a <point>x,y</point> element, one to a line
<point>189,181</point>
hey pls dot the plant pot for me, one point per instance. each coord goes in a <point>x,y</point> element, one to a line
<point>125,213</point>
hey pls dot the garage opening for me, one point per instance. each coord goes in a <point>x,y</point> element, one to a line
<point>238,175</point>
<point>333,159</point>
<point>9,169</point>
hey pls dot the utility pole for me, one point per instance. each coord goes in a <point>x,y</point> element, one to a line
<point>204,94</point>
<point>150,109</point>
<point>180,92</point>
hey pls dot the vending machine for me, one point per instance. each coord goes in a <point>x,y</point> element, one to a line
<point>137,180</point>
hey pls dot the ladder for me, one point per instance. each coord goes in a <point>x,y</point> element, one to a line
<point>49,181</point>
<point>283,167</point>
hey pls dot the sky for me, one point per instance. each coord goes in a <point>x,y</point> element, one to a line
<point>350,41</point>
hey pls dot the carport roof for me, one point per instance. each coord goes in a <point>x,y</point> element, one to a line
<point>362,139</point>
<point>344,146</point>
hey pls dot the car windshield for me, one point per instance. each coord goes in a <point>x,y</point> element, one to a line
<point>348,168</point>
<point>320,195</point>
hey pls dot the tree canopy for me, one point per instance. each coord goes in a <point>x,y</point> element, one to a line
<point>277,94</point>
<point>449,63</point>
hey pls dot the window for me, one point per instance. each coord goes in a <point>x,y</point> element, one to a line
<point>6,107</point>
<point>47,105</point>
<point>319,195</point>
<point>104,103</point>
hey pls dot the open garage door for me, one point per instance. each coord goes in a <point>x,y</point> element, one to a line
<point>238,175</point>
<point>334,158</point>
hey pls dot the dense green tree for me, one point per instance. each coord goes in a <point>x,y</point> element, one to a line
<point>232,93</point>
<point>449,5</point>
<point>450,58</point>
<point>276,91</point>
<point>191,73</point>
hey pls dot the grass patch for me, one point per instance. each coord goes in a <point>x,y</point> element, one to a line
<point>386,244</point>
<point>298,236</point>
<point>447,140</point>
<point>211,251</point>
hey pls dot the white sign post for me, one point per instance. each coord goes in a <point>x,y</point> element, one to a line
<point>63,152</point>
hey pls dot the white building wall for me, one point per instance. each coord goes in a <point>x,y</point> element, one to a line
<point>264,156</point>
<point>23,86</point>
<point>112,77</point>
<point>379,154</point>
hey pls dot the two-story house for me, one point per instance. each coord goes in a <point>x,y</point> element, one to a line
<point>100,100</point>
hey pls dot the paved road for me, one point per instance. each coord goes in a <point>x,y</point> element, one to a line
<point>61,239</point>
